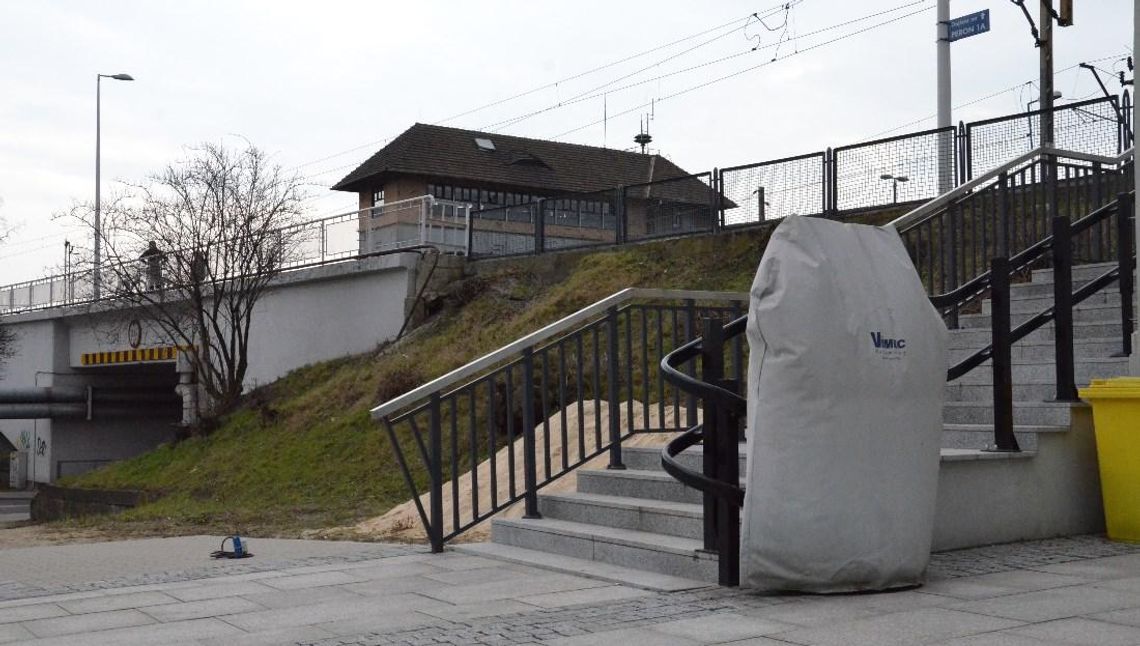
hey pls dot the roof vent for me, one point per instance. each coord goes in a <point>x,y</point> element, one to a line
<point>484,144</point>
<point>526,159</point>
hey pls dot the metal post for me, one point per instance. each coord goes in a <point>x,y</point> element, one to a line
<point>690,334</point>
<point>712,372</point>
<point>540,227</point>
<point>530,468</point>
<point>942,35</point>
<point>1125,262</point>
<point>614,389</point>
<point>1003,216</point>
<point>951,240</point>
<point>1004,439</point>
<point>435,439</point>
<point>621,219</point>
<point>1063,309</point>
<point>97,274</point>
<point>1046,61</point>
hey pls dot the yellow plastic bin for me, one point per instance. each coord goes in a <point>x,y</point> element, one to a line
<point>1116,419</point>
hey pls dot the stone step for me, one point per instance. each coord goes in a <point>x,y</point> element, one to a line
<point>1025,351</point>
<point>580,567</point>
<point>1045,289</point>
<point>977,337</point>
<point>1090,314</point>
<point>649,459</point>
<point>1082,273</point>
<point>657,516</point>
<point>1031,413</point>
<point>633,483</point>
<point>671,555</point>
<point>978,436</point>
<point>958,392</point>
<point>1085,369</point>
<point>1041,303</point>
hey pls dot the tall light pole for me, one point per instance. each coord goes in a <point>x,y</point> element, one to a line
<point>895,181</point>
<point>97,272</point>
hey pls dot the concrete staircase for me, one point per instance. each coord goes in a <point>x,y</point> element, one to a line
<point>641,526</point>
<point>15,507</point>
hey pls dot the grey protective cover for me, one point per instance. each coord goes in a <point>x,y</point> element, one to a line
<point>846,374</point>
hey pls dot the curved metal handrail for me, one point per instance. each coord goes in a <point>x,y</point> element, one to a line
<point>729,491</point>
<point>690,438</point>
<point>692,385</point>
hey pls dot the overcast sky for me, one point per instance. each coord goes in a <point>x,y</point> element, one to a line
<point>324,85</point>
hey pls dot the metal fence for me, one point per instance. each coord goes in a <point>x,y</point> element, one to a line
<point>669,207</point>
<point>558,223</point>
<point>1092,126</point>
<point>388,227</point>
<point>905,168</point>
<point>774,189</point>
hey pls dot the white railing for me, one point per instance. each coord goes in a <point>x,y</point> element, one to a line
<point>426,220</point>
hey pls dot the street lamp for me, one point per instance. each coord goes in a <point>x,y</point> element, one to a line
<point>1028,108</point>
<point>96,275</point>
<point>895,181</point>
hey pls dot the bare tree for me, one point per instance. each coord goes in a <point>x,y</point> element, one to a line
<point>195,248</point>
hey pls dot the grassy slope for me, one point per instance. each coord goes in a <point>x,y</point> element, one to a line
<point>302,452</point>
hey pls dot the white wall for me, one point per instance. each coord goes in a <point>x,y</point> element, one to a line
<point>326,317</point>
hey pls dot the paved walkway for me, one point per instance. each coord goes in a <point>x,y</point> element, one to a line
<point>165,591</point>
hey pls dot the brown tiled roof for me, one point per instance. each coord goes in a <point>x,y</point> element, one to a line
<point>516,162</point>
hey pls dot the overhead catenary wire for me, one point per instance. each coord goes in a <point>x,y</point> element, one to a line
<point>751,68</point>
<point>987,97</point>
<point>595,95</point>
<point>552,84</point>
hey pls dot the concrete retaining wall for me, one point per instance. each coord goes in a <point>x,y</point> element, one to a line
<point>55,503</point>
<point>1054,493</point>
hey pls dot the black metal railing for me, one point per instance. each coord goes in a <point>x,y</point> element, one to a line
<point>720,430</point>
<point>472,445</point>
<point>719,435</point>
<point>1008,215</point>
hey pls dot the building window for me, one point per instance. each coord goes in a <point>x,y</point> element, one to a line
<point>378,197</point>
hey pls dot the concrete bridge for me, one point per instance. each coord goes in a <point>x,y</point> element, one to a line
<point>96,382</point>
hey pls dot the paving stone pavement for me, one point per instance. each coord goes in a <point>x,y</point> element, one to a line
<point>1082,590</point>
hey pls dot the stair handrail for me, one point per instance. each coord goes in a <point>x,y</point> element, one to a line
<point>512,349</point>
<point>925,211</point>
<point>718,433</point>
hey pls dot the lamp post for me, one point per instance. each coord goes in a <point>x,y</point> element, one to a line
<point>895,181</point>
<point>96,276</point>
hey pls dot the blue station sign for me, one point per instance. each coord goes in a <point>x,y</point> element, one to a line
<point>969,25</point>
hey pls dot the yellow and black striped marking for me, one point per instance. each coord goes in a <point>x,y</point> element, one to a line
<point>137,355</point>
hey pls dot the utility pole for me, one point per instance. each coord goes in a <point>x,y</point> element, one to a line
<point>945,140</point>
<point>1046,56</point>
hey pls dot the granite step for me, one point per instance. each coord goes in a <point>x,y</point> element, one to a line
<point>649,459</point>
<point>1041,303</point>
<point>1026,351</point>
<point>1032,413</point>
<point>660,553</point>
<point>657,516</point>
<point>580,567</point>
<point>1089,314</point>
<point>978,436</point>
<point>1044,371</point>
<point>978,337</point>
